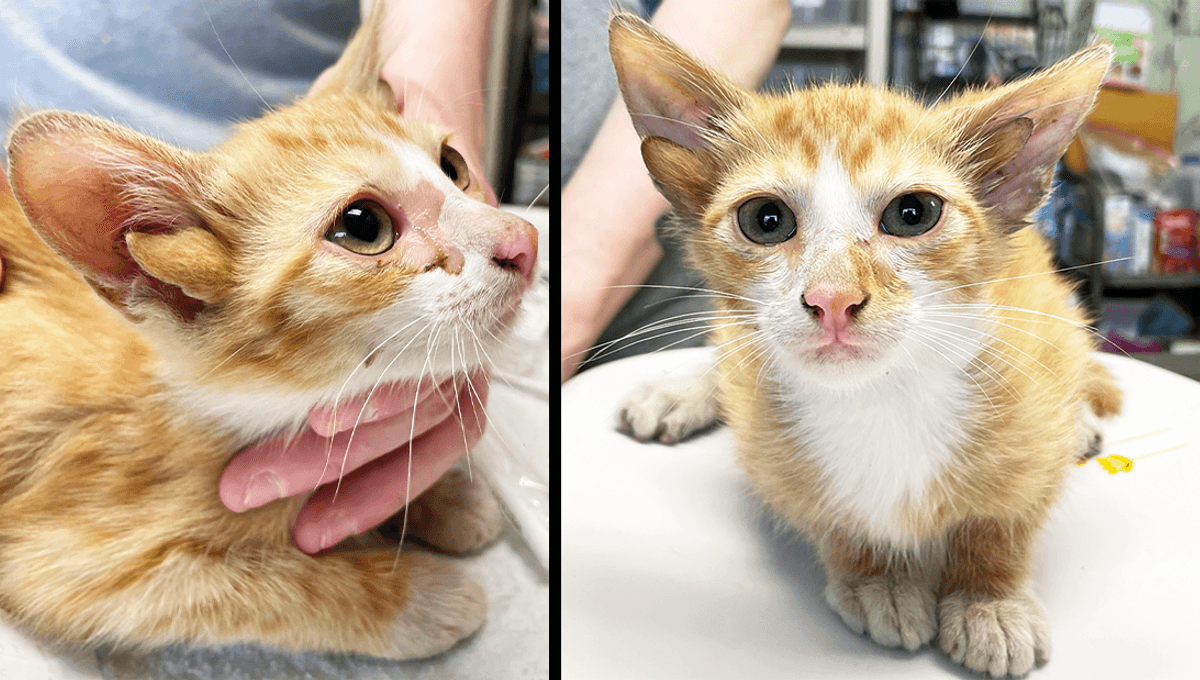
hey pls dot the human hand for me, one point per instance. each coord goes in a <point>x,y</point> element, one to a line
<point>361,475</point>
<point>434,84</point>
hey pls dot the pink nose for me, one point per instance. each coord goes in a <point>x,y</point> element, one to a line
<point>516,249</point>
<point>832,306</point>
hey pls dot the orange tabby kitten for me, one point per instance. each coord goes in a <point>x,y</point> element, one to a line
<point>907,379</point>
<point>323,249</point>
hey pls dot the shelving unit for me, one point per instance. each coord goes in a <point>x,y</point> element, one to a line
<point>868,38</point>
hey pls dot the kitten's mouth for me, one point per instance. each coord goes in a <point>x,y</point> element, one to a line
<point>843,351</point>
<point>841,345</point>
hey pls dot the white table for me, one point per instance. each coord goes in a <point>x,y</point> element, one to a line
<point>672,569</point>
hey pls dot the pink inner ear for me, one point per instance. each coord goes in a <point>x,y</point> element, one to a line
<point>661,107</point>
<point>72,199</point>
<point>680,127</point>
<point>76,208</point>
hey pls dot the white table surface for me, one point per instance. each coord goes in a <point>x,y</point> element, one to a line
<point>672,569</point>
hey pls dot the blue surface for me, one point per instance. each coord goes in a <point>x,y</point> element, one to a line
<point>163,68</point>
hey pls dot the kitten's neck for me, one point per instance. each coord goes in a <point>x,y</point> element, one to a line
<point>247,413</point>
<point>882,441</point>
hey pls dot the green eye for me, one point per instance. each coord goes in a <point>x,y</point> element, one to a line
<point>911,214</point>
<point>766,220</point>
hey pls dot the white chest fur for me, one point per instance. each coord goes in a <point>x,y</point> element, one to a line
<point>879,445</point>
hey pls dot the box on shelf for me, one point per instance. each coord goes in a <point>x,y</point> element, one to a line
<point>1118,233</point>
<point>1175,241</point>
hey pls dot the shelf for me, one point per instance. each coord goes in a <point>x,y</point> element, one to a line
<point>1151,280</point>
<point>827,37</point>
<point>1183,364</point>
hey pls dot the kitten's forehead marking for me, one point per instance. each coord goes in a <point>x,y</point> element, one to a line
<point>836,210</point>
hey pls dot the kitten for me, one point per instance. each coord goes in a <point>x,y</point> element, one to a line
<point>324,249</point>
<point>907,379</point>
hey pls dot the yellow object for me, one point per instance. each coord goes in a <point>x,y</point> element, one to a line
<point>1115,464</point>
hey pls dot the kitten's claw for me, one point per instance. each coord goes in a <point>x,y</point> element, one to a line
<point>670,410</point>
<point>893,611</point>
<point>1006,636</point>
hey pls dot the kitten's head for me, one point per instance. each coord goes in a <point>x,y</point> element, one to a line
<point>328,236</point>
<point>836,218</point>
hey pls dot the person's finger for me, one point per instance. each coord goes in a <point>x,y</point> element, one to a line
<point>381,488</point>
<point>387,401</point>
<point>278,468</point>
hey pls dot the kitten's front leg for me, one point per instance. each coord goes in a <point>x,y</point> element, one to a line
<point>457,514</point>
<point>991,622</point>
<point>672,408</point>
<point>889,597</point>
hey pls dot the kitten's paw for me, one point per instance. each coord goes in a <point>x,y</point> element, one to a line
<point>670,409</point>
<point>443,606</point>
<point>456,514</point>
<point>1090,439</point>
<point>893,611</point>
<point>1005,636</point>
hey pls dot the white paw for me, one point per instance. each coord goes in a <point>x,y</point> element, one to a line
<point>443,606</point>
<point>671,409</point>
<point>1005,636</point>
<point>893,611</point>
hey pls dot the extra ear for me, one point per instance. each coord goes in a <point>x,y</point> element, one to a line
<point>120,207</point>
<point>1010,138</point>
<point>359,67</point>
<point>677,104</point>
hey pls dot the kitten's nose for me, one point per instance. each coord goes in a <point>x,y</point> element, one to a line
<point>833,306</point>
<point>516,248</point>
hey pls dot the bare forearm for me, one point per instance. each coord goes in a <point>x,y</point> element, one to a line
<point>608,236</point>
<point>441,47</point>
<point>610,204</point>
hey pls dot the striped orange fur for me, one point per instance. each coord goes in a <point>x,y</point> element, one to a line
<point>918,436</point>
<point>162,309</point>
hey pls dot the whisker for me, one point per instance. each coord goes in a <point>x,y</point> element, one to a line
<point>220,42</point>
<point>989,351</point>
<point>1000,340</point>
<point>929,343</point>
<point>1022,276</point>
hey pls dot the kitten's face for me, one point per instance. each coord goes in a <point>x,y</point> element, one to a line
<point>329,245</point>
<point>375,245</point>
<point>848,226</point>
<point>850,198</point>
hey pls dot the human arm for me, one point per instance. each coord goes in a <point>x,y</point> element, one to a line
<point>610,205</point>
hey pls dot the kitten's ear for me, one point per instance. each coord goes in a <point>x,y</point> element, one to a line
<point>669,94</point>
<point>120,208</point>
<point>1010,138</point>
<point>359,67</point>
<point>677,106</point>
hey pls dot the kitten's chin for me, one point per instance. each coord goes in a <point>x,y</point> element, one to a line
<point>840,366</point>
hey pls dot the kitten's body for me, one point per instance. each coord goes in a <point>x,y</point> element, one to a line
<point>910,400</point>
<point>230,318</point>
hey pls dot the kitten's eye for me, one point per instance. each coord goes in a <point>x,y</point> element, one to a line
<point>766,220</point>
<point>911,214</point>
<point>364,227</point>
<point>455,167</point>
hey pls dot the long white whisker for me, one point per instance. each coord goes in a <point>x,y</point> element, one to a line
<point>1022,276</point>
